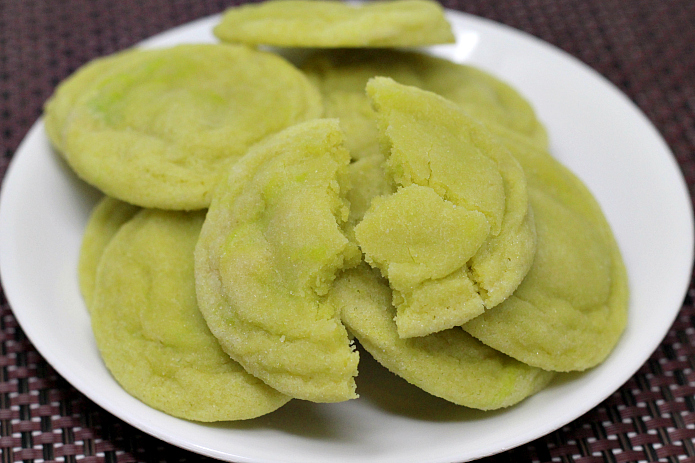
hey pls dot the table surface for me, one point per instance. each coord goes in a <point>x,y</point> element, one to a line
<point>645,47</point>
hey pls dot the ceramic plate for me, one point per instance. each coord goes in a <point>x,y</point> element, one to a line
<point>594,129</point>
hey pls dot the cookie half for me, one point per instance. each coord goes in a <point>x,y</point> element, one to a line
<point>269,250</point>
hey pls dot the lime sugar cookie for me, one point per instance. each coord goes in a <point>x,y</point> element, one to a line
<point>450,364</point>
<point>159,128</point>
<point>151,334</point>
<point>270,247</point>
<point>330,24</point>
<point>570,310</point>
<point>452,175</point>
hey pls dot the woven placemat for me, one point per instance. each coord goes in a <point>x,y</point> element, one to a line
<point>645,47</point>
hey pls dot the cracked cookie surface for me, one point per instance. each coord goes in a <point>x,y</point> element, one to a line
<point>432,145</point>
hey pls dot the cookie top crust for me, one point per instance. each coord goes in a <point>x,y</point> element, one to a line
<point>107,217</point>
<point>577,285</point>
<point>157,128</point>
<point>330,24</point>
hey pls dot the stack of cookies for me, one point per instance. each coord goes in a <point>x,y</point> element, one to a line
<point>265,222</point>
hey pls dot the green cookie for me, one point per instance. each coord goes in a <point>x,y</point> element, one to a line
<point>151,334</point>
<point>571,308</point>
<point>324,24</point>
<point>158,128</point>
<point>268,252</point>
<point>450,364</point>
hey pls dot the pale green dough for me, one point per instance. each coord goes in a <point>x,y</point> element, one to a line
<point>105,220</point>
<point>422,243</point>
<point>269,250</point>
<point>420,235</point>
<point>434,145</point>
<point>341,75</point>
<point>571,308</point>
<point>329,24</point>
<point>368,180</point>
<point>159,128</point>
<point>450,364</point>
<point>151,334</point>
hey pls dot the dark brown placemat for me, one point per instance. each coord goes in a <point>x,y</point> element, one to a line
<point>645,47</point>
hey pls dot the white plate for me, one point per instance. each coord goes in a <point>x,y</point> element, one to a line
<point>594,129</point>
